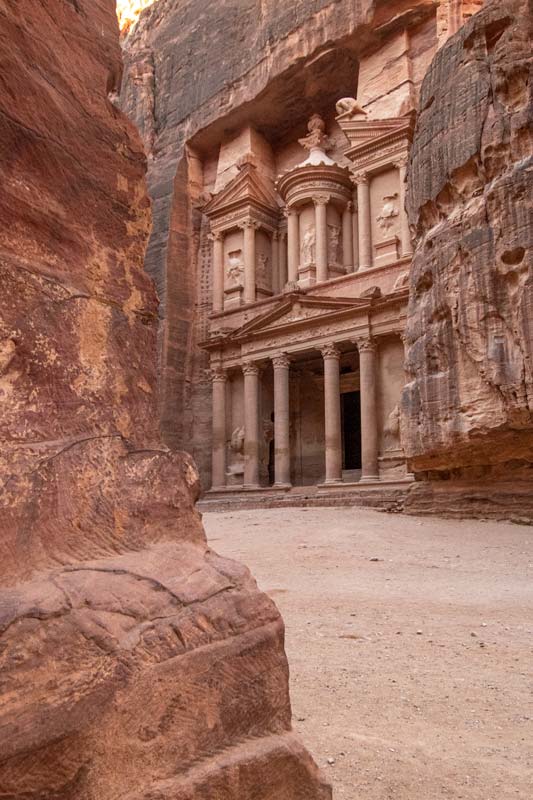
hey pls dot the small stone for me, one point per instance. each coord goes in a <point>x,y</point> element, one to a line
<point>331,761</point>
<point>374,558</point>
<point>419,633</point>
<point>473,633</point>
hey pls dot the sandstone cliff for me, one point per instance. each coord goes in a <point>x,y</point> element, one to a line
<point>468,405</point>
<point>135,663</point>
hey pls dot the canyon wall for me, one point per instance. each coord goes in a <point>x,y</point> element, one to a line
<point>467,411</point>
<point>135,662</point>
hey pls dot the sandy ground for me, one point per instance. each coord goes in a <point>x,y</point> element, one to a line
<point>410,643</point>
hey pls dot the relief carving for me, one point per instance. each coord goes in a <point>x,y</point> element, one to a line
<point>235,268</point>
<point>334,233</point>
<point>389,211</point>
<point>348,107</point>
<point>308,247</point>
<point>236,452</point>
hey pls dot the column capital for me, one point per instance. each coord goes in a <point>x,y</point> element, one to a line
<point>215,236</point>
<point>290,211</point>
<point>250,368</point>
<point>249,223</point>
<point>401,162</point>
<point>218,373</point>
<point>366,344</point>
<point>360,178</point>
<point>321,199</point>
<point>330,350</point>
<point>281,361</point>
<point>349,206</point>
<point>275,236</point>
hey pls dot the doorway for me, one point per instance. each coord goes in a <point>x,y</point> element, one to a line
<point>351,430</point>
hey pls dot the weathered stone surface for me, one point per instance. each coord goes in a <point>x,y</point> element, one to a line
<point>135,662</point>
<point>468,406</point>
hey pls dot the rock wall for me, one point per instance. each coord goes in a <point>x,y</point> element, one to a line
<point>257,62</point>
<point>135,662</point>
<point>468,406</point>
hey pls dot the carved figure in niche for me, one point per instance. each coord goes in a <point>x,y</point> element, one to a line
<point>349,107</point>
<point>389,211</point>
<point>236,452</point>
<point>235,268</point>
<point>391,430</point>
<point>262,266</point>
<point>334,233</point>
<point>308,247</point>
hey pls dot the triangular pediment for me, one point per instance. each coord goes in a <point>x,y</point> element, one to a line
<point>296,308</point>
<point>248,187</point>
<point>362,132</point>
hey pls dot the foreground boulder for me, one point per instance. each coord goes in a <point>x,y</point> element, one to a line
<point>467,411</point>
<point>134,662</point>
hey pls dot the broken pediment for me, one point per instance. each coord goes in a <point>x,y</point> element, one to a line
<point>368,138</point>
<point>248,188</point>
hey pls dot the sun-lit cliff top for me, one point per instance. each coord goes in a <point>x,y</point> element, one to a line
<point>128,11</point>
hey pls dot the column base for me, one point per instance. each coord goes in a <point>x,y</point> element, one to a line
<point>332,481</point>
<point>220,488</point>
<point>369,479</point>
<point>282,485</point>
<point>251,486</point>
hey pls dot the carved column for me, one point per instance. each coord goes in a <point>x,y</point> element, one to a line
<point>405,233</point>
<point>249,227</point>
<point>251,425</point>
<point>355,237</point>
<point>276,278</point>
<point>369,420</point>
<point>293,244</point>
<point>282,453</point>
<point>321,236</point>
<point>332,413</point>
<point>218,453</point>
<point>347,238</point>
<point>365,224</point>
<point>218,270</point>
<point>282,260</point>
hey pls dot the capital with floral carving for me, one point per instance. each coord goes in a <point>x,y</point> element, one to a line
<point>359,177</point>
<point>401,162</point>
<point>349,207</point>
<point>330,350</point>
<point>289,211</point>
<point>250,223</point>
<point>215,236</point>
<point>321,199</point>
<point>366,344</point>
<point>218,373</point>
<point>281,361</point>
<point>250,368</point>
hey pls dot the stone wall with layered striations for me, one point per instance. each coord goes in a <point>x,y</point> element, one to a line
<point>135,662</point>
<point>467,415</point>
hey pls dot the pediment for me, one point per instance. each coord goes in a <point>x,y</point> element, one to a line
<point>295,309</point>
<point>248,187</point>
<point>361,133</point>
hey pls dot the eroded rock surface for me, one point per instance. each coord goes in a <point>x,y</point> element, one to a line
<point>468,404</point>
<point>134,662</point>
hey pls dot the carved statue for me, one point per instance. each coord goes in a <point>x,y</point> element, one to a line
<point>236,452</point>
<point>388,212</point>
<point>235,268</point>
<point>334,233</point>
<point>262,265</point>
<point>308,246</point>
<point>349,107</point>
<point>391,430</point>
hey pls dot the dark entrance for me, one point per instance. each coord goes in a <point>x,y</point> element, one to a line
<point>351,430</point>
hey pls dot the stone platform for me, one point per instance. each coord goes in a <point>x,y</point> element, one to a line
<point>384,495</point>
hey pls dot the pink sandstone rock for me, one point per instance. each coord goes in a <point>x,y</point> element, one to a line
<point>135,662</point>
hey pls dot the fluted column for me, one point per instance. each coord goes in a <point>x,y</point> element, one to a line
<point>218,270</point>
<point>293,244</point>
<point>218,453</point>
<point>355,237</point>
<point>405,233</point>
<point>276,282</point>
<point>347,238</point>
<point>321,236</point>
<point>249,227</point>
<point>251,425</point>
<point>332,413</point>
<point>369,419</point>
<point>282,453</point>
<point>365,224</point>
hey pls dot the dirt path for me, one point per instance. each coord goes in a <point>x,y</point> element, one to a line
<point>410,643</point>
